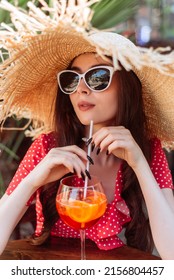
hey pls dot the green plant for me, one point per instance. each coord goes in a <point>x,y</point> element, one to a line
<point>10,144</point>
<point>110,13</point>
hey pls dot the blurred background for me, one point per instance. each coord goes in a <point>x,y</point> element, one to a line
<point>148,23</point>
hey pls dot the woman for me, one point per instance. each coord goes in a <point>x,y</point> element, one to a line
<point>127,153</point>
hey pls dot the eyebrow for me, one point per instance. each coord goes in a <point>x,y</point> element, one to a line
<point>76,68</point>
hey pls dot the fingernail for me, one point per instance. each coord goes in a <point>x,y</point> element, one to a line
<point>92,148</point>
<point>83,176</point>
<point>90,159</point>
<point>88,174</point>
<point>88,141</point>
<point>98,151</point>
<point>84,139</point>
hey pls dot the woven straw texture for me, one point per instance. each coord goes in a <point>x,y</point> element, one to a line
<point>41,46</point>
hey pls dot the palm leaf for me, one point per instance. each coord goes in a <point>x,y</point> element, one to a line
<point>109,13</point>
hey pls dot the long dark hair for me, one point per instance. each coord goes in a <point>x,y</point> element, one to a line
<point>70,131</point>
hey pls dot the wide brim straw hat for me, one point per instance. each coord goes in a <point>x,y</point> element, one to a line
<point>45,40</point>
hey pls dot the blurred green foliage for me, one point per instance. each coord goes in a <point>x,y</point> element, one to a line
<point>109,13</point>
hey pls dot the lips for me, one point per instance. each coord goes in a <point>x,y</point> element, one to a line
<point>85,106</point>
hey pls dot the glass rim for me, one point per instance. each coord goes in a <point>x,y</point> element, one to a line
<point>94,181</point>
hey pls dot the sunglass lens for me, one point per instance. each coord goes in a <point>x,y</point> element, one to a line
<point>98,79</point>
<point>68,81</point>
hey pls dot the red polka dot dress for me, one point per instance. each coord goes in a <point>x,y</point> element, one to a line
<point>108,229</point>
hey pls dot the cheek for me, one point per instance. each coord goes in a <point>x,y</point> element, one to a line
<point>110,98</point>
<point>113,95</point>
<point>110,106</point>
<point>110,103</point>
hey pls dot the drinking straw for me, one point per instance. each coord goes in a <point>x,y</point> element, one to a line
<point>89,154</point>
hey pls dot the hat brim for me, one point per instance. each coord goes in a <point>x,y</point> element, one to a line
<point>157,90</point>
<point>31,84</point>
<point>29,80</point>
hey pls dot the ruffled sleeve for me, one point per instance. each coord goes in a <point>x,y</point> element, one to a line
<point>37,151</point>
<point>34,155</point>
<point>159,166</point>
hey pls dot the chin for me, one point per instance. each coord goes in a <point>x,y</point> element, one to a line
<point>85,122</point>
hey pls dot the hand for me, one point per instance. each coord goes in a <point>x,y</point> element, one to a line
<point>57,163</point>
<point>118,141</point>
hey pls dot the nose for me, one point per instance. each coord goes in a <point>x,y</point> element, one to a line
<point>82,88</point>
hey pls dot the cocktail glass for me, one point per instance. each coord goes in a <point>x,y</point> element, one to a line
<point>80,206</point>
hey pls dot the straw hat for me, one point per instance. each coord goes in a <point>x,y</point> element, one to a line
<point>41,46</point>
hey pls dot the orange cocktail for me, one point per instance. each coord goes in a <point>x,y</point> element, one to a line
<point>80,204</point>
<point>81,213</point>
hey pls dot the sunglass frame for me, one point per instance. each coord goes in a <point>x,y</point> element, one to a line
<point>110,68</point>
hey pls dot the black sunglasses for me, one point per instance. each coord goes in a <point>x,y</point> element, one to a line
<point>97,79</point>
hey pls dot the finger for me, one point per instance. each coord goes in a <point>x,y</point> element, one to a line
<point>108,140</point>
<point>105,131</point>
<point>122,148</point>
<point>67,158</point>
<point>74,160</point>
<point>76,150</point>
<point>68,151</point>
<point>55,158</point>
<point>100,135</point>
<point>117,144</point>
<point>78,165</point>
<point>73,165</point>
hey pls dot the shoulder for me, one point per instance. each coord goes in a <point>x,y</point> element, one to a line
<point>157,151</point>
<point>155,144</point>
<point>46,138</point>
<point>159,165</point>
<point>39,148</point>
<point>45,141</point>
